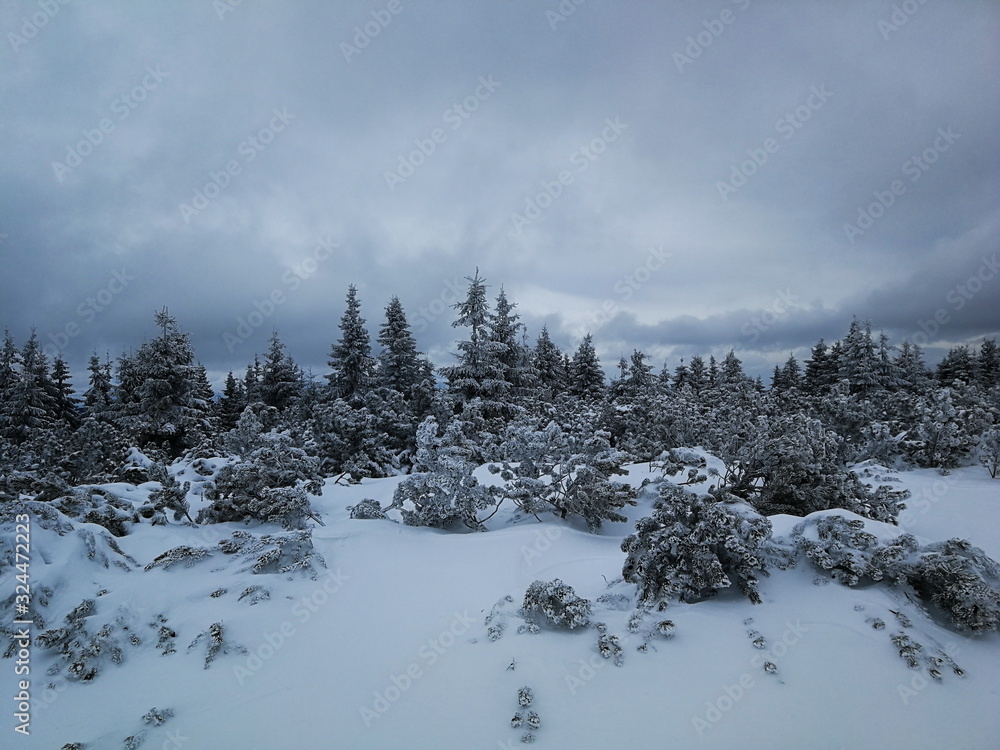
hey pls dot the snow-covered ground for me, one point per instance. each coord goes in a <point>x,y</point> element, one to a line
<point>387,647</point>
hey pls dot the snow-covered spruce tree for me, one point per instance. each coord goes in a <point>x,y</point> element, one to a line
<point>347,438</point>
<point>506,333</point>
<point>548,363</point>
<point>447,492</point>
<point>988,364</point>
<point>231,404</point>
<point>399,360</point>
<point>692,547</point>
<point>97,398</point>
<point>479,373</point>
<point>269,480</point>
<point>28,405</point>
<point>159,399</point>
<point>637,412</point>
<point>281,379</point>
<point>351,361</point>
<point>586,378</point>
<point>555,604</point>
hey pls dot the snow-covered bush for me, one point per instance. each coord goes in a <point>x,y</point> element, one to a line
<point>962,581</point>
<point>170,495</point>
<point>556,604</point>
<point>989,451</point>
<point>566,475</point>
<point>367,509</point>
<point>217,643</point>
<point>274,553</point>
<point>959,579</point>
<point>841,545</point>
<point>270,481</point>
<point>692,547</point>
<point>448,492</point>
<point>792,464</point>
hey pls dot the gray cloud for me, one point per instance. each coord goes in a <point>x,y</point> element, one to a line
<point>146,107</point>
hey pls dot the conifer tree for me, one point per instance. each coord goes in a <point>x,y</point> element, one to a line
<point>62,394</point>
<point>231,404</point>
<point>399,366</point>
<point>351,361</point>
<point>548,362</point>
<point>164,402</point>
<point>29,405</point>
<point>281,379</point>
<point>821,370</point>
<point>97,398</point>
<point>988,364</point>
<point>479,372</point>
<point>586,376</point>
<point>958,364</point>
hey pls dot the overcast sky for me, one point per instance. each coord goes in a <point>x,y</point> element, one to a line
<point>678,177</point>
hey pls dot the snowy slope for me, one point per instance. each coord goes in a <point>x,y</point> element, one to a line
<point>387,647</point>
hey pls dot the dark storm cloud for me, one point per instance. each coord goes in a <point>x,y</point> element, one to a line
<point>784,168</point>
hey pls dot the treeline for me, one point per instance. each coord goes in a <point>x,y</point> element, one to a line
<point>857,398</point>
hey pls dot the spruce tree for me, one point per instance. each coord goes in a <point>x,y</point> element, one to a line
<point>988,364</point>
<point>351,361</point>
<point>821,371</point>
<point>281,379</point>
<point>97,398</point>
<point>479,373</point>
<point>958,364</point>
<point>399,366</point>
<point>548,362</point>
<point>586,377</point>
<point>62,394</point>
<point>231,404</point>
<point>163,400</point>
<point>29,405</point>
